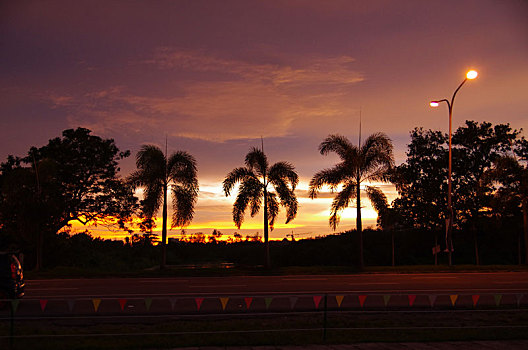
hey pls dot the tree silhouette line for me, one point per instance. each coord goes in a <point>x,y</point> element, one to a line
<point>75,178</point>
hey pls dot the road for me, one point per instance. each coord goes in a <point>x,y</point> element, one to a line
<point>440,283</point>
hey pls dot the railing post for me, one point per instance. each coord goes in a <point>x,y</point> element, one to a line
<point>325,317</point>
<point>11,324</point>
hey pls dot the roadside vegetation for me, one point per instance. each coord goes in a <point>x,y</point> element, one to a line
<point>76,178</point>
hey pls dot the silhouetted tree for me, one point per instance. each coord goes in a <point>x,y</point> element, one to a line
<point>477,145</point>
<point>73,178</point>
<point>422,181</point>
<point>512,175</point>
<point>156,173</point>
<point>255,179</point>
<point>368,162</point>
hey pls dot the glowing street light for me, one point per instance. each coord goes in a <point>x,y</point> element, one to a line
<point>472,74</point>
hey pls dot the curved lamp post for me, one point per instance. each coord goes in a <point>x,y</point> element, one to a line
<point>472,74</point>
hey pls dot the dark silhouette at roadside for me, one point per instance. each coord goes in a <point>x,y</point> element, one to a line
<point>255,180</point>
<point>422,180</point>
<point>156,174</point>
<point>73,178</point>
<point>368,162</point>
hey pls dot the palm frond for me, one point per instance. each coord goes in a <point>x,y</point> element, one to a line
<point>182,169</point>
<point>152,199</point>
<point>282,171</point>
<point>183,201</point>
<point>338,144</point>
<point>239,207</point>
<point>377,151</point>
<point>151,161</point>
<point>235,176</point>
<point>377,198</point>
<point>287,199</point>
<point>341,202</point>
<point>273,208</point>
<point>331,177</point>
<point>257,160</point>
<point>253,189</point>
<point>150,175</point>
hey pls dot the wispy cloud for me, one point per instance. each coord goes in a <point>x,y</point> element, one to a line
<point>223,99</point>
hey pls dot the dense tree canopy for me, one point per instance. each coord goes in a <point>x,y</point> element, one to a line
<point>422,180</point>
<point>72,178</point>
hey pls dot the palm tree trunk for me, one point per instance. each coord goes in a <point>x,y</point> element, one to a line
<point>475,243</point>
<point>40,243</point>
<point>164,230</point>
<point>359,226</point>
<point>392,236</point>
<point>266,241</point>
<point>525,221</point>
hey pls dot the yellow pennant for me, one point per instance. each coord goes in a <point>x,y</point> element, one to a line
<point>339,299</point>
<point>453,299</point>
<point>224,302</point>
<point>96,303</point>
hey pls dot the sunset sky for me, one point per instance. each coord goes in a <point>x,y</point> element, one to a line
<point>216,76</point>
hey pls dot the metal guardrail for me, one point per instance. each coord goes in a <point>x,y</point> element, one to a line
<point>236,306</point>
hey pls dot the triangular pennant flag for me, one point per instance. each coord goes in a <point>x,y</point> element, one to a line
<point>339,299</point>
<point>96,303</point>
<point>43,303</point>
<point>453,298</point>
<point>498,298</point>
<point>519,298</point>
<point>386,299</point>
<point>248,302</point>
<point>475,299</point>
<point>14,305</point>
<point>293,301</point>
<point>148,303</point>
<point>432,300</point>
<point>172,302</point>
<point>71,304</point>
<point>317,300</point>
<point>122,303</point>
<point>362,299</point>
<point>268,302</point>
<point>199,302</point>
<point>224,302</point>
<point>412,298</point>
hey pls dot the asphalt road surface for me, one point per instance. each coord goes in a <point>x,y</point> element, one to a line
<point>440,283</point>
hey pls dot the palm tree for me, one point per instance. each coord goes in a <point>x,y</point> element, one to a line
<point>254,180</point>
<point>156,173</point>
<point>368,162</point>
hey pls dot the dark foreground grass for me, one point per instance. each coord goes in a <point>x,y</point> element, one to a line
<point>163,331</point>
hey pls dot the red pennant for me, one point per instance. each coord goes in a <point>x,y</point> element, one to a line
<point>475,299</point>
<point>362,299</point>
<point>43,303</point>
<point>122,303</point>
<point>317,300</point>
<point>199,302</point>
<point>248,302</point>
<point>412,298</point>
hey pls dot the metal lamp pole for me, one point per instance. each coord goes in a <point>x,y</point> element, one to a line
<point>450,215</point>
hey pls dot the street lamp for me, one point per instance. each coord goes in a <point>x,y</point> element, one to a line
<point>472,74</point>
